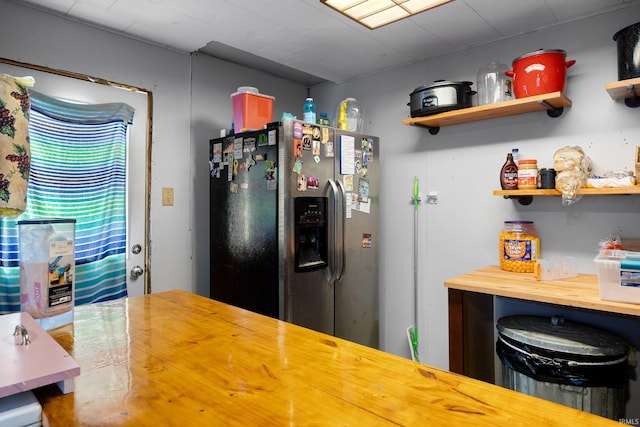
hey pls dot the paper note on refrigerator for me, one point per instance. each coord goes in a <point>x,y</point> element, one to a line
<point>347,155</point>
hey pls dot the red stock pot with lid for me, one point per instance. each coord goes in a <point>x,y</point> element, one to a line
<point>540,72</point>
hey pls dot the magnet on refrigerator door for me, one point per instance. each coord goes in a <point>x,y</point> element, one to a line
<point>297,166</point>
<point>313,183</point>
<point>217,152</point>
<point>270,170</point>
<point>363,190</point>
<point>249,145</point>
<point>227,153</point>
<point>358,161</point>
<point>328,149</point>
<point>271,175</point>
<point>297,130</point>
<point>366,240</point>
<point>307,141</point>
<point>249,162</point>
<point>297,148</point>
<point>237,148</point>
<point>347,180</point>
<point>302,182</point>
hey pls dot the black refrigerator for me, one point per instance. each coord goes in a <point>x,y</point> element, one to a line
<point>294,226</point>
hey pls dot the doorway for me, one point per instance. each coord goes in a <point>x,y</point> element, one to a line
<point>86,89</point>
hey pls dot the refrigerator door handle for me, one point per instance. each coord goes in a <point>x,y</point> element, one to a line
<point>333,230</point>
<point>343,225</point>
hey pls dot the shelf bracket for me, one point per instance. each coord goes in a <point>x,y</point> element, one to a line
<point>523,200</point>
<point>634,100</point>
<point>433,130</point>
<point>552,111</point>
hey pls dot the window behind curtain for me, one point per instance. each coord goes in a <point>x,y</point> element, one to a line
<point>78,170</point>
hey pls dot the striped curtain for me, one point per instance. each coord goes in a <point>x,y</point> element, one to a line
<point>78,171</point>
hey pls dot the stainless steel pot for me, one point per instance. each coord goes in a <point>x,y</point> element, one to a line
<point>439,97</point>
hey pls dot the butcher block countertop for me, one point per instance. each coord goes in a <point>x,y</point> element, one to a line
<point>581,291</point>
<point>174,359</point>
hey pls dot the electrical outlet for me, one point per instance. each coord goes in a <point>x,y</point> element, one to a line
<point>167,196</point>
<point>432,197</point>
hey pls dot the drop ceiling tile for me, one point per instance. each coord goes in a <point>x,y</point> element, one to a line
<point>567,9</point>
<point>410,39</point>
<point>458,25</point>
<point>103,17</point>
<point>166,26</point>
<point>514,18</point>
<point>204,10</point>
<point>297,16</point>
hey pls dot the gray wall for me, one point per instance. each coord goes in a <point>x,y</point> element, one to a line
<point>462,164</point>
<point>213,82</point>
<point>459,234</point>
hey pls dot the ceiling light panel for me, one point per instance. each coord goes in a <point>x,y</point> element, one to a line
<point>376,13</point>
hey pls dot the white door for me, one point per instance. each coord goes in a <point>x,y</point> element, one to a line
<point>75,90</point>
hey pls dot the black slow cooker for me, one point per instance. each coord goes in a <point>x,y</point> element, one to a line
<point>439,97</point>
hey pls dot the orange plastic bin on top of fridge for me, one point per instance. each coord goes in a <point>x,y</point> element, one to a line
<point>251,109</point>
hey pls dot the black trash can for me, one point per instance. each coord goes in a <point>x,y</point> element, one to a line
<point>564,362</point>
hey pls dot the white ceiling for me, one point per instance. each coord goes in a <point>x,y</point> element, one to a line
<point>306,41</point>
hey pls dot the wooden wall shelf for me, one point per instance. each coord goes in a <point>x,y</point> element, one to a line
<point>629,90</point>
<point>582,191</point>
<point>553,103</point>
<point>525,197</point>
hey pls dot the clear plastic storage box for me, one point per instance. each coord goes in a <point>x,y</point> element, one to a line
<point>619,275</point>
<point>47,270</point>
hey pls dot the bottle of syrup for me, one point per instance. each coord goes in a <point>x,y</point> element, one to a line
<point>509,174</point>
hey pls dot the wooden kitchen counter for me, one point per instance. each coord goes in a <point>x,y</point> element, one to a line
<point>579,292</point>
<point>471,320</point>
<point>174,358</point>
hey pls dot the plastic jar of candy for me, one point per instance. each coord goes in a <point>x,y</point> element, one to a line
<point>519,246</point>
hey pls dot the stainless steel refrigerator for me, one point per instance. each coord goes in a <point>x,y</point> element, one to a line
<point>294,226</point>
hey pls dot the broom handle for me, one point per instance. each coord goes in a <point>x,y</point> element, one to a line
<point>416,200</point>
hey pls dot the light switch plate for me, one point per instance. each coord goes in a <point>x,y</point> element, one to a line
<point>167,196</point>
